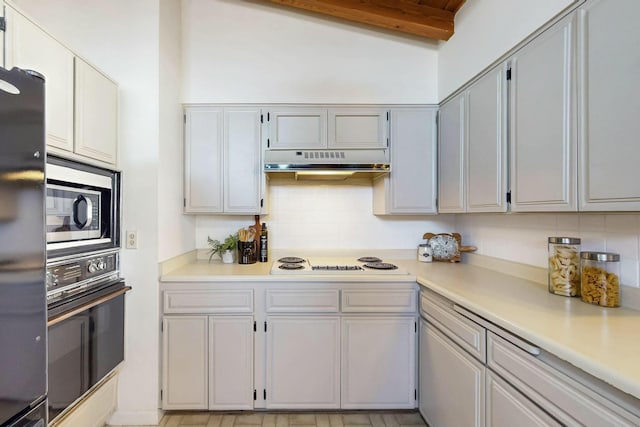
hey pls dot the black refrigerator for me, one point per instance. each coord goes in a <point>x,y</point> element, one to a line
<point>23,305</point>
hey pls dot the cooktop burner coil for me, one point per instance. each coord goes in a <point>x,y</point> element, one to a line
<point>381,266</point>
<point>369,259</point>
<point>291,260</point>
<point>291,266</point>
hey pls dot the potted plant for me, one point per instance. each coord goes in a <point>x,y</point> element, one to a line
<point>226,249</point>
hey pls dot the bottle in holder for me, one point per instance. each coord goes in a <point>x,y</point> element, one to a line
<point>264,243</point>
<point>600,283</point>
<point>564,266</point>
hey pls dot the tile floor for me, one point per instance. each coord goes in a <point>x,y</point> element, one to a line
<point>301,419</point>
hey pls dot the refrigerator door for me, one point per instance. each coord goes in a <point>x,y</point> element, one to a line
<point>23,324</point>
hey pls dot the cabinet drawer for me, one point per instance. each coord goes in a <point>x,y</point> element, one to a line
<point>466,333</point>
<point>564,398</point>
<point>303,301</point>
<point>379,301</point>
<point>208,301</point>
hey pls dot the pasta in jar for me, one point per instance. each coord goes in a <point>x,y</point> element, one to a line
<point>564,266</point>
<point>601,278</point>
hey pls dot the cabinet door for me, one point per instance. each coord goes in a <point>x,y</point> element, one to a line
<point>451,167</point>
<point>203,160</point>
<point>303,362</point>
<point>378,363</point>
<point>242,160</point>
<point>230,362</point>
<point>96,114</point>
<point>358,128</point>
<point>505,405</point>
<point>542,126</point>
<point>451,382</point>
<point>184,362</point>
<point>609,105</point>
<point>410,188</point>
<point>487,148</point>
<point>297,128</point>
<point>29,47</point>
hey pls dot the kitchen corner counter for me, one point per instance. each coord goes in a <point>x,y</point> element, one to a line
<point>604,342</point>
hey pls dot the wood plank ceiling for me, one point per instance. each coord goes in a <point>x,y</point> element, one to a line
<point>425,18</point>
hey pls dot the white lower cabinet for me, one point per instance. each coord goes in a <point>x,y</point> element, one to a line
<point>506,405</point>
<point>303,362</point>
<point>451,382</point>
<point>231,362</point>
<point>185,362</point>
<point>378,362</point>
<point>207,362</point>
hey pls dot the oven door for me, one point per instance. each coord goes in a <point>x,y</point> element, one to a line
<point>83,208</point>
<point>86,342</point>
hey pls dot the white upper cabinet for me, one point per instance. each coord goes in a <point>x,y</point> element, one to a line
<point>29,47</point>
<point>358,128</point>
<point>203,159</point>
<point>487,146</point>
<point>451,153</point>
<point>314,128</point>
<point>96,114</point>
<point>292,128</point>
<point>410,187</point>
<point>609,105</point>
<point>223,169</point>
<point>242,160</point>
<point>542,122</point>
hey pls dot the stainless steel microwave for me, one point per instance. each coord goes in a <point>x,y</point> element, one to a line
<point>82,208</point>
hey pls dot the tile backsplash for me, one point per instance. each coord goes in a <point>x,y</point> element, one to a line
<point>523,237</point>
<point>338,216</point>
<point>327,216</point>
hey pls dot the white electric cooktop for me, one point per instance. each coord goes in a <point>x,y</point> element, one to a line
<point>335,265</point>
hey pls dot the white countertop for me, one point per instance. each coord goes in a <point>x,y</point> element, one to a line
<point>604,342</point>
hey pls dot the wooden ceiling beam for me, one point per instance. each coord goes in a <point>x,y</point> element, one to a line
<point>407,16</point>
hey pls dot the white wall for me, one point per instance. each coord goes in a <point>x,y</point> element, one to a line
<point>484,31</point>
<point>121,38</point>
<point>245,51</point>
<point>327,216</point>
<point>176,231</point>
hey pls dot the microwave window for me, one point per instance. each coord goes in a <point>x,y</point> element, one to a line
<point>69,210</point>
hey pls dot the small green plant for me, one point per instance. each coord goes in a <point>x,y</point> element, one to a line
<point>230,243</point>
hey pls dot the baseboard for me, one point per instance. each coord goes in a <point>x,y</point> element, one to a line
<point>137,418</point>
<point>95,409</point>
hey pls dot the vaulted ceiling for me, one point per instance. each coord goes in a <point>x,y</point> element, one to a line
<point>425,18</point>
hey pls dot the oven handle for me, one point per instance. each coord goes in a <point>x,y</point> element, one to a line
<point>63,316</point>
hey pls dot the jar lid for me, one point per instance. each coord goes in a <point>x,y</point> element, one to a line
<point>600,256</point>
<point>565,240</point>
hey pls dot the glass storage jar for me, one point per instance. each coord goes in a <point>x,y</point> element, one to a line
<point>600,273</point>
<point>564,266</point>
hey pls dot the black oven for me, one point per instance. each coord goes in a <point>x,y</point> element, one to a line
<point>82,208</point>
<point>85,311</point>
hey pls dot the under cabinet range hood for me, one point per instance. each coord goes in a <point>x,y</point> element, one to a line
<point>327,164</point>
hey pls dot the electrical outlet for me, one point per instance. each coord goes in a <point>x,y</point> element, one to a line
<point>132,239</point>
